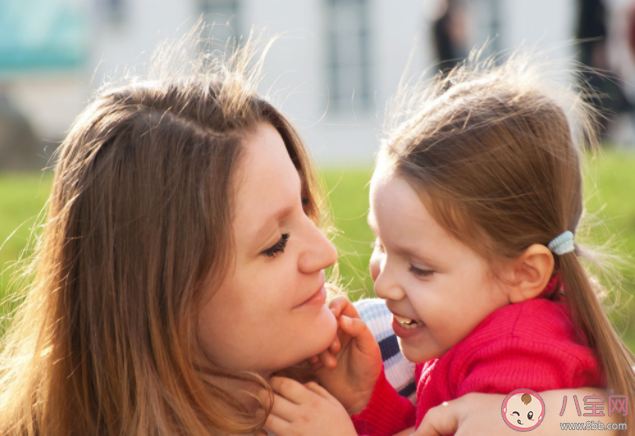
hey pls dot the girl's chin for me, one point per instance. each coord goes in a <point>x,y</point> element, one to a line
<point>416,352</point>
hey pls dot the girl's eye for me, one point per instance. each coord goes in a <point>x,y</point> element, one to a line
<point>278,247</point>
<point>420,272</point>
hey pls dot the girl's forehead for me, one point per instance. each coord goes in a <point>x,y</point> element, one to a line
<point>405,226</point>
<point>397,212</point>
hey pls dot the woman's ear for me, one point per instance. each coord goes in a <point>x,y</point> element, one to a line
<point>530,273</point>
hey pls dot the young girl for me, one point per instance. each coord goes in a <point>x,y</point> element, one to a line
<point>475,203</point>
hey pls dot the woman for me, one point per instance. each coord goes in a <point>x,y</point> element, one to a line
<point>181,263</point>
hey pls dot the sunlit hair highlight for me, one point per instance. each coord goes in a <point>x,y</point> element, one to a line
<point>136,235</point>
<point>495,150</point>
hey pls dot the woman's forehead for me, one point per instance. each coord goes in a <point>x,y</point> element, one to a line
<point>268,182</point>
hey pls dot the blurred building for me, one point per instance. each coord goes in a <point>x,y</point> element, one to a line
<point>334,68</point>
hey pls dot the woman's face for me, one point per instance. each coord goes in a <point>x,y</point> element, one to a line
<point>270,312</point>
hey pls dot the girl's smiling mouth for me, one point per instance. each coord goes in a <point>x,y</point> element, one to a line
<point>406,327</point>
<point>407,323</point>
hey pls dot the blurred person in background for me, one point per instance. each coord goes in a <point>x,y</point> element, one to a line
<point>450,34</point>
<point>597,37</point>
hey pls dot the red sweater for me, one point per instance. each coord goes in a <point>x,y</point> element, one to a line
<point>532,345</point>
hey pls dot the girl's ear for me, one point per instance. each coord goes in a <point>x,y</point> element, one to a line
<point>530,273</point>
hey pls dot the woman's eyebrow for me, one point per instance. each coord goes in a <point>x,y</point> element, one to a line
<point>267,228</point>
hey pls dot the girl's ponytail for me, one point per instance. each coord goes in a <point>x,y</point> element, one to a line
<point>589,317</point>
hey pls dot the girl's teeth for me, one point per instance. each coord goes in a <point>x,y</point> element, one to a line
<point>407,323</point>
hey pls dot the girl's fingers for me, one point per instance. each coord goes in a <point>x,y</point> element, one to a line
<point>290,389</point>
<point>328,359</point>
<point>338,304</point>
<point>316,388</point>
<point>283,408</point>
<point>357,329</point>
<point>336,346</point>
<point>277,425</point>
<point>317,365</point>
<point>265,397</point>
<point>349,310</point>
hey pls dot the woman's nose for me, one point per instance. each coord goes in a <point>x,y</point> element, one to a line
<point>319,253</point>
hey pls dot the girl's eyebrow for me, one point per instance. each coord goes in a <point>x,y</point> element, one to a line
<point>407,250</point>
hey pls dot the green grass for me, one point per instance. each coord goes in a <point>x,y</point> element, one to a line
<point>611,189</point>
<point>348,197</point>
<point>22,197</point>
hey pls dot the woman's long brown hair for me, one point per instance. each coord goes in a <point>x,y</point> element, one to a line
<point>137,234</point>
<point>495,151</point>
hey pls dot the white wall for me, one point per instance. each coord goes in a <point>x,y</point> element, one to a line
<point>547,24</point>
<point>296,65</point>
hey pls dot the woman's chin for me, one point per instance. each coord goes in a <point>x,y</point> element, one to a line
<point>316,334</point>
<point>322,333</point>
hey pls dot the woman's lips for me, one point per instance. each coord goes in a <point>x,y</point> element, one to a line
<point>317,299</point>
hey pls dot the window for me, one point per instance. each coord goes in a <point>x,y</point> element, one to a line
<point>348,55</point>
<point>52,35</point>
<point>225,14</point>
<point>114,11</point>
<point>489,21</point>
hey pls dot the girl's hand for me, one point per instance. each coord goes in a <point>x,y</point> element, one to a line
<point>480,414</point>
<point>306,410</point>
<point>351,372</point>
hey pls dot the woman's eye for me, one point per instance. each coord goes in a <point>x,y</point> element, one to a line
<point>420,272</point>
<point>278,247</point>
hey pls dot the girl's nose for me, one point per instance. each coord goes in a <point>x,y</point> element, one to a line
<point>386,286</point>
<point>319,253</point>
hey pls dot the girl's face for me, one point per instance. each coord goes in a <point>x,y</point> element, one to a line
<point>270,312</point>
<point>438,288</point>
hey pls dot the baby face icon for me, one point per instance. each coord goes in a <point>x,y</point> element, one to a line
<point>523,410</point>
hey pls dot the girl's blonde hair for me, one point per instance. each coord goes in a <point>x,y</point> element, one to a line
<point>495,152</point>
<point>137,234</point>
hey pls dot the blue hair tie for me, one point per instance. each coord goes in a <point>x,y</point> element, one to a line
<point>562,244</point>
